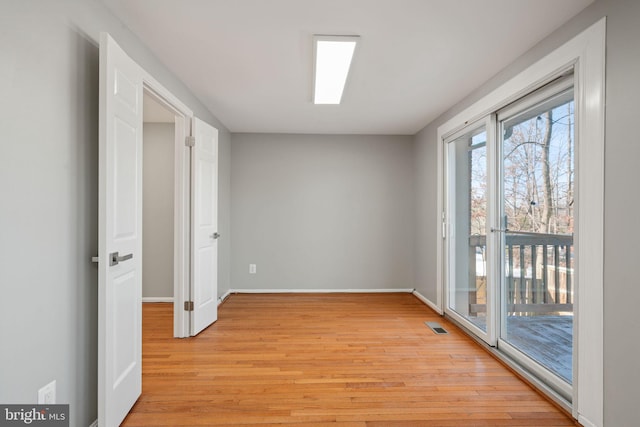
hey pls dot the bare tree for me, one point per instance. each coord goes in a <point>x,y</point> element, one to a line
<point>538,173</point>
<point>547,207</point>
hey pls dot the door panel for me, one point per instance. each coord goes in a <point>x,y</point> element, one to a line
<point>124,179</point>
<point>467,212</point>
<point>537,204</point>
<point>124,300</point>
<point>204,190</point>
<point>120,226</point>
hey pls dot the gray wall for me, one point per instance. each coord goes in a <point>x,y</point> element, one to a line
<point>224,210</point>
<point>48,193</point>
<point>427,235</point>
<point>158,205</point>
<point>322,211</point>
<point>622,151</point>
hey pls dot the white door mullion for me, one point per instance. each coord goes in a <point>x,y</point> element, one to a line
<point>494,268</point>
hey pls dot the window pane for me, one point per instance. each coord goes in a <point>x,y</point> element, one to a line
<point>538,207</point>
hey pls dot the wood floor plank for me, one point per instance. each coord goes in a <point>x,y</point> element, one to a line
<point>346,360</point>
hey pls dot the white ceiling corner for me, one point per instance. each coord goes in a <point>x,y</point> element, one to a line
<point>250,61</point>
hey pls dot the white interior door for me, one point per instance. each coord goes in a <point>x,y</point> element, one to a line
<point>204,239</point>
<point>120,229</point>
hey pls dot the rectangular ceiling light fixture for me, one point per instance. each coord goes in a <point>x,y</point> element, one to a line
<point>333,56</point>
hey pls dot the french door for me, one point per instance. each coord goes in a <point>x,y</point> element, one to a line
<point>122,84</point>
<point>510,182</point>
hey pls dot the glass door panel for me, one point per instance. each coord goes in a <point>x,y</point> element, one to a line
<point>467,208</point>
<point>537,204</point>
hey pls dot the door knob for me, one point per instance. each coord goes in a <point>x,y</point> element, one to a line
<point>215,235</point>
<point>115,258</point>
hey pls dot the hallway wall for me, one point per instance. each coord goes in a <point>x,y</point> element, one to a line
<point>158,204</point>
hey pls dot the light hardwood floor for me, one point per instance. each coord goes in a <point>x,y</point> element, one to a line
<point>327,359</point>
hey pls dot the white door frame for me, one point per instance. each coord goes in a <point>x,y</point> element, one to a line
<point>182,200</point>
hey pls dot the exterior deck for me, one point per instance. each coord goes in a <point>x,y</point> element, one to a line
<point>539,292</point>
<point>546,339</point>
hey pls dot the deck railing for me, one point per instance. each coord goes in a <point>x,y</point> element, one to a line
<point>538,273</point>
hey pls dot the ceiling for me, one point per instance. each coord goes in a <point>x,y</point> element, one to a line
<point>154,112</point>
<point>250,61</point>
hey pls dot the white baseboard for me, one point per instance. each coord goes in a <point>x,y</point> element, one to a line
<point>224,297</point>
<point>94,424</point>
<point>310,291</point>
<point>317,291</point>
<point>428,302</point>
<point>157,299</point>
<point>585,422</point>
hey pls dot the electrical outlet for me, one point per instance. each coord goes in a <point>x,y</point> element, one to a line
<point>47,394</point>
<point>252,269</point>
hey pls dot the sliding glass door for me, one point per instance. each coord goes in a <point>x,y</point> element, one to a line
<point>510,218</point>
<point>537,204</point>
<point>467,204</point>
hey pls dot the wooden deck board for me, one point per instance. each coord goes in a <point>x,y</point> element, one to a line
<point>548,339</point>
<point>327,359</point>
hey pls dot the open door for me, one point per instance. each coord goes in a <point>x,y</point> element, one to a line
<point>119,234</point>
<point>204,230</point>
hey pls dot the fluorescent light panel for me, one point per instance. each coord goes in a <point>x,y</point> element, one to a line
<point>333,56</point>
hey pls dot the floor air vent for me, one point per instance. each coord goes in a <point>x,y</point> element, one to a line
<point>435,327</point>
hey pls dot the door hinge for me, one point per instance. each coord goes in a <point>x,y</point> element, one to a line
<point>188,306</point>
<point>190,141</point>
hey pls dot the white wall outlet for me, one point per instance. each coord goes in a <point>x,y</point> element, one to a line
<point>252,269</point>
<point>47,394</point>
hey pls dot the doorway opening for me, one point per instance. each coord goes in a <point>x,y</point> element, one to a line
<point>166,203</point>
<point>157,202</point>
